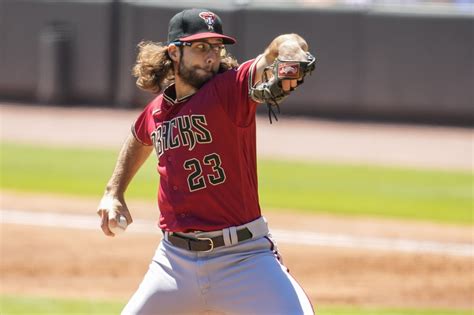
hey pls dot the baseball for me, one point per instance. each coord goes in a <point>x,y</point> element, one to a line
<point>121,225</point>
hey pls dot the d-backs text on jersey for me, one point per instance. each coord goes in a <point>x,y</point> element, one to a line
<point>186,130</point>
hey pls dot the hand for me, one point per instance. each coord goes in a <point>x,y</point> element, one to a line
<point>289,85</point>
<point>292,50</point>
<point>109,210</point>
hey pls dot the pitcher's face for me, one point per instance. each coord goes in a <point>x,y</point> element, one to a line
<point>200,61</point>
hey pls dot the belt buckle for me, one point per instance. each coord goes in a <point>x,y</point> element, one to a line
<point>210,242</point>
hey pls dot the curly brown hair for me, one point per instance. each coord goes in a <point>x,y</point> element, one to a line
<point>154,68</point>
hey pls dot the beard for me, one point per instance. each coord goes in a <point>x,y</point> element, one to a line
<point>190,76</point>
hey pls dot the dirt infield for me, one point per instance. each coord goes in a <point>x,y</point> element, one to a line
<point>83,263</point>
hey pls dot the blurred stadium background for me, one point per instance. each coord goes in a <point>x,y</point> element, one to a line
<point>401,60</point>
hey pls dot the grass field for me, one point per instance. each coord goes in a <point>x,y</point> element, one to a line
<point>29,306</point>
<point>429,195</point>
<point>432,195</point>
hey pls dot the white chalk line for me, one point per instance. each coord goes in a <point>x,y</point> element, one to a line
<point>90,222</point>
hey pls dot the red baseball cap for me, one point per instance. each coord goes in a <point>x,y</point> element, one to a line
<point>194,24</point>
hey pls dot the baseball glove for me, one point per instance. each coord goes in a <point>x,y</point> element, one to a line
<point>270,90</point>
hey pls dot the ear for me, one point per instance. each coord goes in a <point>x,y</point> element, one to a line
<point>174,52</point>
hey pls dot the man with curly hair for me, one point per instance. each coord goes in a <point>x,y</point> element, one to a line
<point>217,255</point>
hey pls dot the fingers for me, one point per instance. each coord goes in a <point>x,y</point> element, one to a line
<point>115,215</point>
<point>285,84</point>
<point>104,222</point>
<point>289,85</point>
<point>128,216</point>
<point>109,211</point>
<point>293,84</point>
<point>113,218</point>
<point>106,211</point>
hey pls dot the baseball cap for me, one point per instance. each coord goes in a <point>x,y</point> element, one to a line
<point>194,24</point>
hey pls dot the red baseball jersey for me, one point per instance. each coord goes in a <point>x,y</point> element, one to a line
<point>206,149</point>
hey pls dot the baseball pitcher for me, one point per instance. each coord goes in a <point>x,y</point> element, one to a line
<point>217,255</point>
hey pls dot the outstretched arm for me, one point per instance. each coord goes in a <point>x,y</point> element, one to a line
<point>279,70</point>
<point>284,47</point>
<point>131,157</point>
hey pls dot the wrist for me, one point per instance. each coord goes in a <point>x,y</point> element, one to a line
<point>114,192</point>
<point>291,50</point>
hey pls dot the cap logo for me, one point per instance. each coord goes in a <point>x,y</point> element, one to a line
<point>288,70</point>
<point>209,18</point>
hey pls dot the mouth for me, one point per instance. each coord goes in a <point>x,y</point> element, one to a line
<point>208,70</point>
<point>204,73</point>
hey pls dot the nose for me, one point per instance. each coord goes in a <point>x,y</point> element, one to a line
<point>211,57</point>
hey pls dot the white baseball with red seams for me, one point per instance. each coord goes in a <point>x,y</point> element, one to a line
<point>120,227</point>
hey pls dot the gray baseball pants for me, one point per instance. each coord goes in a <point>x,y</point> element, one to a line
<point>243,278</point>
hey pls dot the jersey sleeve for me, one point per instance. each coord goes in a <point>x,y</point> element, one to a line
<point>144,125</point>
<point>233,90</point>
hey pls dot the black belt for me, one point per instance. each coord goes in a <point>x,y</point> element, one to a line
<point>205,244</point>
